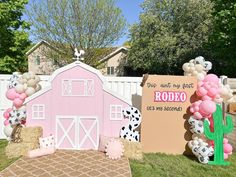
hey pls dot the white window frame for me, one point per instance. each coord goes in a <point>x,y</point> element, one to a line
<point>109,69</point>
<point>33,111</point>
<point>115,112</point>
<point>69,87</point>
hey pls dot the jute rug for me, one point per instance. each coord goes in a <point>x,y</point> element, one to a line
<point>69,163</point>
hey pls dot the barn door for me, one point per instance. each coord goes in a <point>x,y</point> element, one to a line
<point>75,132</point>
<point>88,133</point>
<point>66,131</point>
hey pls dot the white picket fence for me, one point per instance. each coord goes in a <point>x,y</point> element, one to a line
<point>124,86</point>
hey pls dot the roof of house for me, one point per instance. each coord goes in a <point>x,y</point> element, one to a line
<point>36,46</point>
<point>70,66</point>
<point>118,50</point>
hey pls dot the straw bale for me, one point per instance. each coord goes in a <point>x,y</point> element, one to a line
<point>31,134</point>
<point>133,150</point>
<point>19,149</point>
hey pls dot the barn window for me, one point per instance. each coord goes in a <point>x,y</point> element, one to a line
<point>110,70</point>
<point>38,111</point>
<point>78,87</point>
<point>116,112</point>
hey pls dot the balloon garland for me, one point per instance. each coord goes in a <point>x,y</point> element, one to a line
<point>19,88</point>
<point>206,122</point>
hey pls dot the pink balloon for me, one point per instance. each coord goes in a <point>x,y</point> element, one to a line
<point>207,85</point>
<point>6,114</point>
<point>192,110</point>
<point>212,92</point>
<point>205,97</point>
<point>211,78</point>
<point>201,91</point>
<point>22,96</point>
<point>225,140</point>
<point>17,95</point>
<point>18,102</point>
<point>197,115</point>
<point>11,94</point>
<point>228,148</point>
<point>6,122</point>
<point>207,107</point>
<point>226,156</point>
<point>196,108</point>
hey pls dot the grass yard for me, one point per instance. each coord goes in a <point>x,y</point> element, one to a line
<point>161,165</point>
<point>4,161</point>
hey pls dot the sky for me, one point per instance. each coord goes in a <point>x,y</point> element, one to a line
<point>131,10</point>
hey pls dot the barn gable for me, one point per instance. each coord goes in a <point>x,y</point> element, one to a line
<point>84,66</point>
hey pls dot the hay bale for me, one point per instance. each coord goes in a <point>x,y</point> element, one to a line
<point>133,150</point>
<point>18,149</point>
<point>31,134</point>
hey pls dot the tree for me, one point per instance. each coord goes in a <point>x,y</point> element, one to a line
<point>169,33</point>
<point>13,36</point>
<point>85,24</point>
<point>222,43</point>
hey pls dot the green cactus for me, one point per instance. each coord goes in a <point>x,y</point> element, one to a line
<point>218,135</point>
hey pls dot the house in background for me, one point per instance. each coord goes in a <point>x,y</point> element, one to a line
<point>114,62</point>
<point>40,63</point>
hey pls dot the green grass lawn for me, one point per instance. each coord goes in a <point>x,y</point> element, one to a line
<point>160,165</point>
<point>4,161</point>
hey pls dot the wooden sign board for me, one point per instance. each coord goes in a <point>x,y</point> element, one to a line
<point>165,100</point>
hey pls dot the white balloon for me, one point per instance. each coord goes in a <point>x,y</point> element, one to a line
<point>8,130</point>
<point>185,66</point>
<point>25,86</point>
<point>192,68</point>
<point>191,61</point>
<point>195,142</point>
<point>190,144</point>
<point>37,78</point>
<point>26,76</point>
<point>31,83</point>
<point>207,65</point>
<point>32,75</point>
<point>199,67</point>
<point>20,88</point>
<point>199,60</point>
<point>195,73</point>
<point>38,87</point>
<point>30,91</point>
<point>200,76</point>
<point>191,65</point>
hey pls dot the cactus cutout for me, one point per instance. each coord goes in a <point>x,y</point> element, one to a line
<point>218,135</point>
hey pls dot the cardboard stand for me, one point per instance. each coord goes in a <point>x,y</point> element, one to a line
<point>165,101</point>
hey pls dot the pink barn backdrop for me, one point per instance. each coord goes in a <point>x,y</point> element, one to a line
<point>77,108</point>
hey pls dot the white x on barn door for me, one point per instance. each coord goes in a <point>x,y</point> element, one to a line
<point>66,132</point>
<point>91,133</point>
<point>75,132</point>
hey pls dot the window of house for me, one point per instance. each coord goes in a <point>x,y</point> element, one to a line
<point>38,111</point>
<point>116,112</point>
<point>110,70</point>
<point>37,60</point>
<point>77,87</point>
